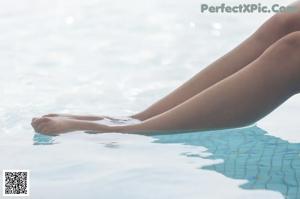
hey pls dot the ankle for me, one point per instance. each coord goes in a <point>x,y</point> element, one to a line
<point>140,116</point>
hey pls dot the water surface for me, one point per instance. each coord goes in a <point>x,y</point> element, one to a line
<point>116,58</point>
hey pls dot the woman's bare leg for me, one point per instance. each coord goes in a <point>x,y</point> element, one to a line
<point>275,28</point>
<point>240,99</point>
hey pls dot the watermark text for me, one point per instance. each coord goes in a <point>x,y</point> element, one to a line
<point>247,8</point>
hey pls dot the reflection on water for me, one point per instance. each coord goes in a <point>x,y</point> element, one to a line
<point>40,139</point>
<point>266,162</point>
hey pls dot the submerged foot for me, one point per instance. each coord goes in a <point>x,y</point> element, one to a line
<point>55,125</point>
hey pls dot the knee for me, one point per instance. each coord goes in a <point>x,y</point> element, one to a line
<point>280,25</point>
<point>286,22</point>
<point>284,54</point>
<point>290,44</point>
<point>286,51</point>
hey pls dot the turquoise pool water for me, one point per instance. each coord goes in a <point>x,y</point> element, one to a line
<point>266,162</point>
<point>116,57</point>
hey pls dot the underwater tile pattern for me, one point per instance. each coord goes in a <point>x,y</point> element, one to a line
<point>265,161</point>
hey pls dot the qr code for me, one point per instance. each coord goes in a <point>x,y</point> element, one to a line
<point>16,183</point>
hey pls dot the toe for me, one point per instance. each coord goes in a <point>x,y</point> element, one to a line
<point>34,119</point>
<point>41,124</point>
<point>47,129</point>
<point>44,130</point>
<point>34,122</point>
<point>39,127</point>
<point>43,119</point>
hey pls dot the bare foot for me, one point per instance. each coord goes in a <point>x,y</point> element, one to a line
<point>58,125</point>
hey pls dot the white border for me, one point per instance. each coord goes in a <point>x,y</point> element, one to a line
<point>3,181</point>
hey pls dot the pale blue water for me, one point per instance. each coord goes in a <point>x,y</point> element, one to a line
<point>116,58</point>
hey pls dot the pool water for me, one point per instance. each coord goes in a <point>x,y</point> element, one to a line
<point>116,58</point>
<point>266,162</point>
